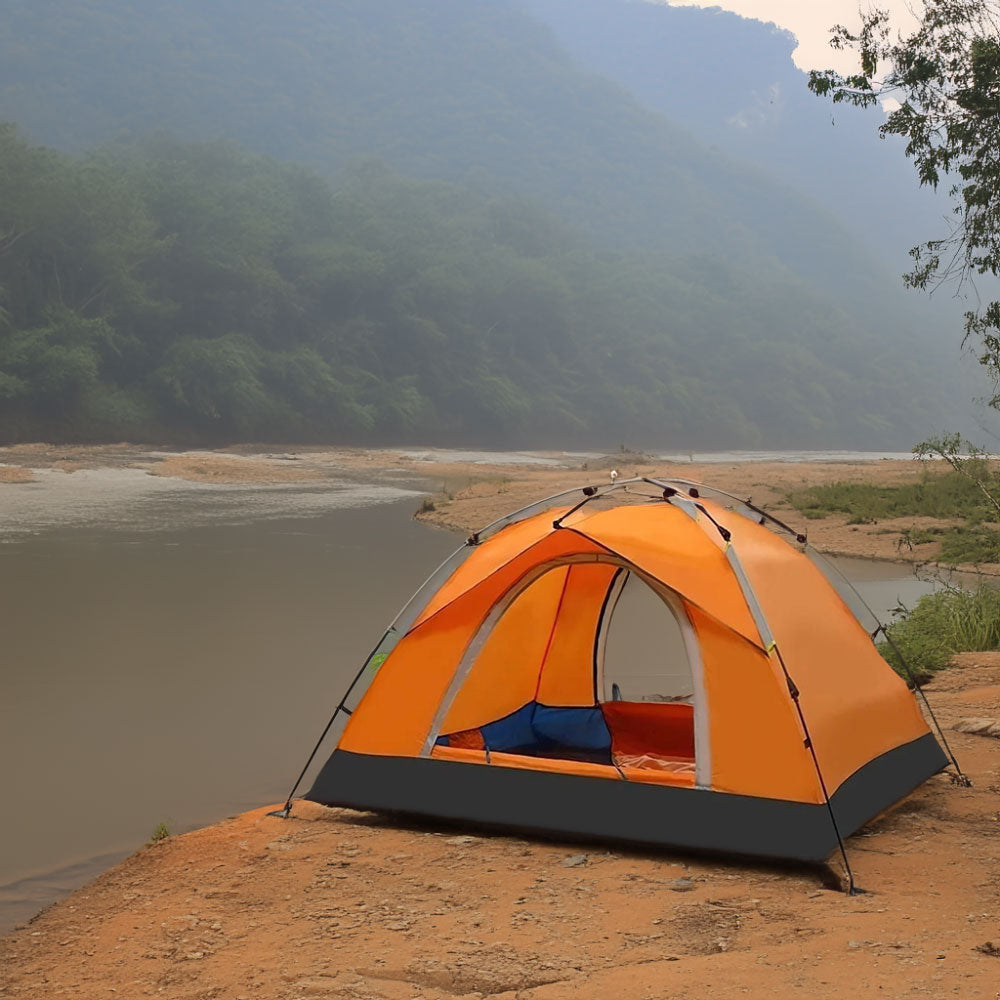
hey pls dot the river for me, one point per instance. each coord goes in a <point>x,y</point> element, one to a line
<point>171,650</point>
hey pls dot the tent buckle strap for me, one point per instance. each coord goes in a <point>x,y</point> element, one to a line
<point>961,779</point>
<point>282,813</point>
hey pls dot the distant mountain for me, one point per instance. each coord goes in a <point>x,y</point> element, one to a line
<point>481,93</point>
<point>732,82</point>
<point>457,89</point>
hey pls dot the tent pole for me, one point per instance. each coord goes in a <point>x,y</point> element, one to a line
<point>852,889</point>
<point>771,645</point>
<point>341,707</point>
<point>960,777</point>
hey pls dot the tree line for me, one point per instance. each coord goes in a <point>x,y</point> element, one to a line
<point>163,290</point>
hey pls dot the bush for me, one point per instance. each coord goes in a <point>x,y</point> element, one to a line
<point>974,544</point>
<point>951,620</point>
<point>160,833</point>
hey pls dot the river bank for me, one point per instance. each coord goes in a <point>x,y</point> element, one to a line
<point>341,904</point>
<point>470,489</point>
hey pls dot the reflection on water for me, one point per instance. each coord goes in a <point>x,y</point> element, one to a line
<point>180,674</point>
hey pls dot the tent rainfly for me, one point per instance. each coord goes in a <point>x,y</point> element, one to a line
<point>760,721</point>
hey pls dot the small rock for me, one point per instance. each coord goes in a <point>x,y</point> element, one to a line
<point>460,841</point>
<point>574,860</point>
<point>193,956</point>
<point>680,885</point>
<point>853,944</point>
<point>979,727</point>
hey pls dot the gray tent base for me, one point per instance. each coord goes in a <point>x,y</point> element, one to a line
<point>624,811</point>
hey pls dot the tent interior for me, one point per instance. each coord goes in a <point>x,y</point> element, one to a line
<point>587,662</point>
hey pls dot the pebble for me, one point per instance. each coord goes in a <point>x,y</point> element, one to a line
<point>680,885</point>
<point>460,841</point>
<point>574,860</point>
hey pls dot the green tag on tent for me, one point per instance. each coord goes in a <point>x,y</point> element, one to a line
<point>376,661</point>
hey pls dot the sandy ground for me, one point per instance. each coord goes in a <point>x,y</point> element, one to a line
<point>466,495</point>
<point>339,904</point>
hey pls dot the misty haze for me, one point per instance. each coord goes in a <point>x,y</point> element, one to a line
<point>299,298</point>
<point>460,222</point>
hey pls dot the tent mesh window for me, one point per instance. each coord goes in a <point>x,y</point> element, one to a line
<point>588,663</point>
<point>645,679</point>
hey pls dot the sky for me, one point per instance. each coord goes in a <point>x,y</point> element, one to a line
<point>810,21</point>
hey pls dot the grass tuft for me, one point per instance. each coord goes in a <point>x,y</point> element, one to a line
<point>951,620</point>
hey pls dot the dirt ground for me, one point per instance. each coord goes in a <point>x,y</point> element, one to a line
<point>340,904</point>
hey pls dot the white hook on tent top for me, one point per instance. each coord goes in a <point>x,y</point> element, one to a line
<point>614,475</point>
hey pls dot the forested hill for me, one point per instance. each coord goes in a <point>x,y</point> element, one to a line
<point>475,91</point>
<point>162,290</point>
<point>732,82</point>
<point>569,263</point>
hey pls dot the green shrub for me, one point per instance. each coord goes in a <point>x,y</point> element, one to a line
<point>160,832</point>
<point>920,536</point>
<point>971,544</point>
<point>951,620</point>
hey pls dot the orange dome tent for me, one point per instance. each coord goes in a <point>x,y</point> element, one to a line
<point>763,720</point>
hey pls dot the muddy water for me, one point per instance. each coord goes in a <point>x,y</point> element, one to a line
<point>170,652</point>
<point>180,675</point>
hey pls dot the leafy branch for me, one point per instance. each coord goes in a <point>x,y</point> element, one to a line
<point>965,458</point>
<point>943,82</point>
